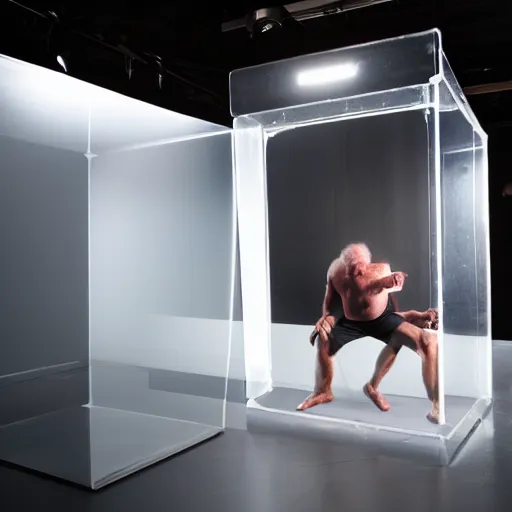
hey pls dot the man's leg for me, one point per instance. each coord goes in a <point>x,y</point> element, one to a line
<point>425,344</point>
<point>323,376</point>
<point>387,357</point>
<point>382,366</point>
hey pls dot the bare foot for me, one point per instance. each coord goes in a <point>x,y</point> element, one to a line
<point>315,399</point>
<point>433,416</point>
<point>376,397</point>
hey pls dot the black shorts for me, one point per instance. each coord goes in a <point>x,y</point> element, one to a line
<point>382,328</point>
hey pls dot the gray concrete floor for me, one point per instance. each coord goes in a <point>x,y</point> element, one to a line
<point>95,446</point>
<point>246,471</point>
<point>257,472</point>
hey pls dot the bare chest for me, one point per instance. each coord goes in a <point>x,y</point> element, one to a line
<point>360,281</point>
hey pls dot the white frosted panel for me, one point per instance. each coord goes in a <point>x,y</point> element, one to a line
<point>162,257</point>
<point>251,201</point>
<point>35,101</point>
<point>119,230</point>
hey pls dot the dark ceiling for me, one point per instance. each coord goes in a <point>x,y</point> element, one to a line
<point>185,38</point>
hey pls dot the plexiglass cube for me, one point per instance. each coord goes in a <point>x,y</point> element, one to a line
<point>374,144</point>
<point>117,266</point>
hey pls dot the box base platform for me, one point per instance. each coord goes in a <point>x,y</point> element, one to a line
<point>403,431</point>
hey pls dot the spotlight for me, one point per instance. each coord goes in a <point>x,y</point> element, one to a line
<point>160,72</point>
<point>62,62</point>
<point>265,21</point>
<point>128,64</point>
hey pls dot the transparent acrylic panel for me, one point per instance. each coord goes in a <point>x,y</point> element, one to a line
<point>162,254</point>
<point>299,206</point>
<point>120,221</point>
<point>161,278</point>
<point>483,259</point>
<point>365,105</point>
<point>464,203</point>
<point>456,95</point>
<point>341,73</point>
<point>371,186</point>
<point>344,162</point>
<point>465,290</point>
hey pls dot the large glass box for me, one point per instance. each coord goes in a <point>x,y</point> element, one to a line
<point>373,144</point>
<point>118,226</point>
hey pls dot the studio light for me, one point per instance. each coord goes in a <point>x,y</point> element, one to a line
<point>62,62</point>
<point>326,75</point>
<point>299,11</point>
<point>264,21</point>
<point>128,64</point>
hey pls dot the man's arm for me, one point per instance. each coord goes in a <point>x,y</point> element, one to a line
<point>324,325</point>
<point>395,280</point>
<point>329,296</point>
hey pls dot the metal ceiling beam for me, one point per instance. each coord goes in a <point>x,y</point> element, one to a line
<point>309,9</point>
<point>488,88</point>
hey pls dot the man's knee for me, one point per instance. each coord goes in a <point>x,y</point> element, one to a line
<point>429,344</point>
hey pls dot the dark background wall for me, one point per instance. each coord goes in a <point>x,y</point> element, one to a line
<point>500,172</point>
<point>197,50</point>
<point>43,269</point>
<point>336,183</point>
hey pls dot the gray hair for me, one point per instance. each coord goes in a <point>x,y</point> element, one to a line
<point>347,252</point>
<point>344,258</point>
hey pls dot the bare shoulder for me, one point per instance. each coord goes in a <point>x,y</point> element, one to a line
<point>336,270</point>
<point>382,268</point>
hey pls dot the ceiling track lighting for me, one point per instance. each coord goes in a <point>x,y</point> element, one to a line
<point>130,56</point>
<point>269,19</point>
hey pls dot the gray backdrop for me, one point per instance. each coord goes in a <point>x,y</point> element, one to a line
<point>43,279</point>
<point>331,184</point>
<point>43,257</point>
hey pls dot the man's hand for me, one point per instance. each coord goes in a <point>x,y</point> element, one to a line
<point>432,319</point>
<point>398,279</point>
<point>322,328</point>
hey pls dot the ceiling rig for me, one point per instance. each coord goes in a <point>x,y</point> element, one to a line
<point>270,19</point>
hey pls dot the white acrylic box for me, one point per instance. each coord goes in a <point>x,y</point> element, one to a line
<point>373,143</point>
<point>118,233</point>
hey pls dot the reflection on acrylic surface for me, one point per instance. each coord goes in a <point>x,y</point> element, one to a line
<point>369,309</point>
<point>321,167</point>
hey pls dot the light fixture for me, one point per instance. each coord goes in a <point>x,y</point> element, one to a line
<point>128,64</point>
<point>299,11</point>
<point>326,75</point>
<point>264,21</point>
<point>62,62</point>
